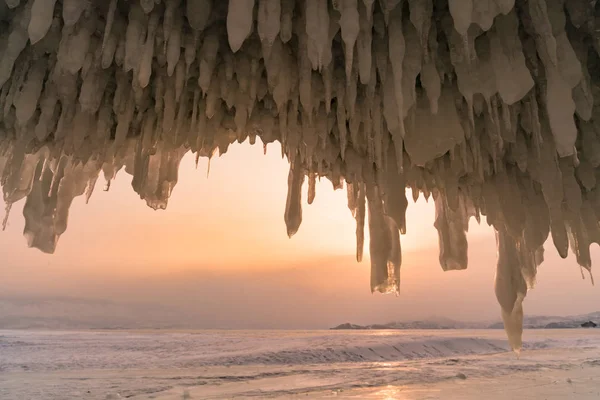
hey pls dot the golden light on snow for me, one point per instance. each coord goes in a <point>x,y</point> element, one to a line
<point>487,107</point>
<point>390,393</point>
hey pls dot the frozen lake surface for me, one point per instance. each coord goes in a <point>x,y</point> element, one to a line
<point>309,364</point>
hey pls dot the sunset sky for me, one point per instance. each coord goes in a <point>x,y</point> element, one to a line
<point>221,251</point>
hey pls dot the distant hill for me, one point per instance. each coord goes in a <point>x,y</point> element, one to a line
<point>79,313</point>
<point>423,324</point>
<point>542,322</point>
<point>76,313</point>
<point>531,322</point>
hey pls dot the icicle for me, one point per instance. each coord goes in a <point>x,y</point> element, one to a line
<point>147,5</point>
<point>198,13</point>
<point>72,10</point>
<point>420,16</point>
<point>239,22</point>
<point>110,19</point>
<point>360,222</point>
<point>174,44</point>
<point>15,43</point>
<point>90,189</point>
<point>510,288</point>
<point>452,226</point>
<point>134,37</point>
<point>169,20</point>
<point>384,247</point>
<point>350,26</point>
<point>286,23</point>
<point>6,215</point>
<point>30,93</point>
<point>397,48</point>
<point>42,13</point>
<point>269,23</point>
<point>145,67</point>
<point>312,178</point>
<point>317,30</point>
<point>208,57</point>
<point>293,206</point>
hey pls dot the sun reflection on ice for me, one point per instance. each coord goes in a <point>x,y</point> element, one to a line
<point>385,332</point>
<point>390,393</point>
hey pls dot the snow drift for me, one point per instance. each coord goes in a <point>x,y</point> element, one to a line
<point>487,106</point>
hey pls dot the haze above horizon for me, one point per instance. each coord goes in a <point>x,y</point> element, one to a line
<point>220,253</point>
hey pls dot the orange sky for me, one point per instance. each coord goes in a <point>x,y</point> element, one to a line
<point>232,219</point>
<point>232,223</point>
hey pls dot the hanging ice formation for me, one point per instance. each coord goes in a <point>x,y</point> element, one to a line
<point>487,106</point>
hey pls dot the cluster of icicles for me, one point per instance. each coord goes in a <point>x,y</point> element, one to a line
<point>485,105</point>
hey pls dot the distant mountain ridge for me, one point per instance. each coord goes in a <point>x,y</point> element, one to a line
<point>530,322</point>
<point>69,313</point>
<point>76,313</point>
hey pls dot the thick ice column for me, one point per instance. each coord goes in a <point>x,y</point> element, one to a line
<point>395,191</point>
<point>38,211</point>
<point>384,246</point>
<point>47,207</point>
<point>510,288</point>
<point>19,179</point>
<point>452,226</point>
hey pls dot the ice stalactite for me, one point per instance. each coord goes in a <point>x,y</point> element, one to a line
<point>510,287</point>
<point>384,246</point>
<point>293,206</point>
<point>239,22</point>
<point>488,106</point>
<point>452,226</point>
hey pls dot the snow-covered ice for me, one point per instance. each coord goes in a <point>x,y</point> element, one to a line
<point>225,364</point>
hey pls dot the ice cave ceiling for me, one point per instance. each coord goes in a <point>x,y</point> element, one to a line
<point>487,106</point>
